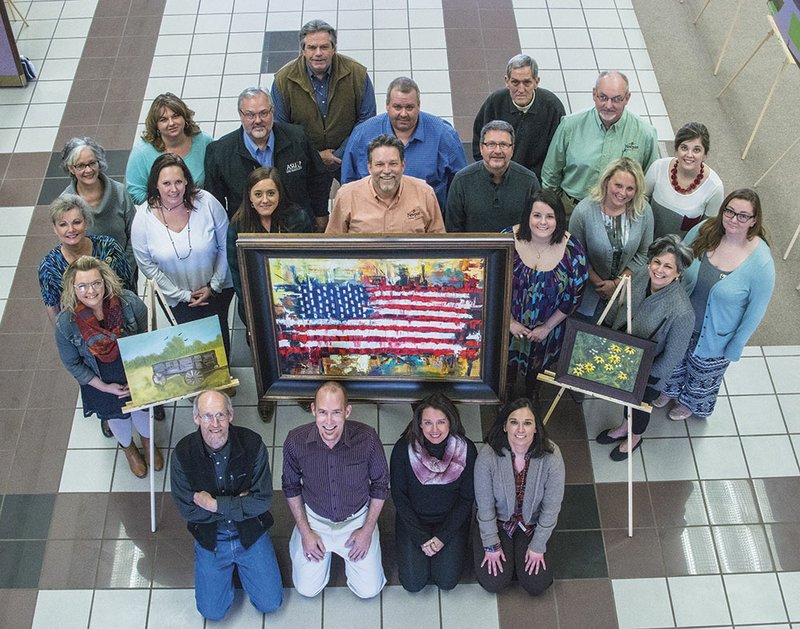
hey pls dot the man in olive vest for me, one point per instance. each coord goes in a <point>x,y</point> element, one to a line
<point>324,92</point>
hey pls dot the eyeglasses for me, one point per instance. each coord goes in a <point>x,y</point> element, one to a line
<point>740,216</point>
<point>604,98</point>
<point>252,115</point>
<point>90,165</point>
<point>82,288</point>
<point>207,418</point>
<point>494,145</point>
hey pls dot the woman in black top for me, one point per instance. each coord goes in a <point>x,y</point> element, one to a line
<point>432,488</point>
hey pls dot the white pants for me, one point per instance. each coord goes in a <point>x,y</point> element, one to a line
<point>364,577</point>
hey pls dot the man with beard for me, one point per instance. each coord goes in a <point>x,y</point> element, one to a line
<point>386,201</point>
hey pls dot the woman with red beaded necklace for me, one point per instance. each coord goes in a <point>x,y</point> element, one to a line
<point>683,190</point>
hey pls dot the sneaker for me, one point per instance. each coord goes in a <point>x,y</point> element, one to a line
<point>679,412</point>
<point>661,401</point>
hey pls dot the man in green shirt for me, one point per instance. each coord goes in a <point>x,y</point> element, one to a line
<point>585,142</point>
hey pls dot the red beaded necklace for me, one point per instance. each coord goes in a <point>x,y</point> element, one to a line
<point>673,178</point>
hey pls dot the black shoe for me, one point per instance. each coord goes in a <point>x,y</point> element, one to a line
<point>105,429</point>
<point>606,440</point>
<point>617,455</point>
<point>266,410</point>
<point>159,414</point>
<point>305,405</point>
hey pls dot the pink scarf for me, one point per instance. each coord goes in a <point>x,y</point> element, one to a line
<point>431,471</point>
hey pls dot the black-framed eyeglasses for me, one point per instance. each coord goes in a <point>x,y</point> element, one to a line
<point>497,145</point>
<point>604,98</point>
<point>92,165</point>
<point>252,115</point>
<point>740,216</point>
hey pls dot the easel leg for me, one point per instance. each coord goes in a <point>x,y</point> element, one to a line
<point>728,38</point>
<point>553,406</point>
<point>15,10</point>
<point>152,447</point>
<point>775,163</point>
<point>744,65</point>
<point>630,472</point>
<point>791,244</point>
<point>699,15</point>
<point>764,109</point>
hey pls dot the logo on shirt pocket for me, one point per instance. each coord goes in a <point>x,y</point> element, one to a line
<point>414,214</point>
<point>294,167</point>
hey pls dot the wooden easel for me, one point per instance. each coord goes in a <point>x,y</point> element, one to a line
<point>15,12</point>
<point>787,61</point>
<point>549,377</point>
<point>153,298</point>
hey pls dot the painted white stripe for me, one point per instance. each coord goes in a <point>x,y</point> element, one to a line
<point>395,324</point>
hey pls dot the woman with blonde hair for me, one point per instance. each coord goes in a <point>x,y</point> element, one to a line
<point>95,312</point>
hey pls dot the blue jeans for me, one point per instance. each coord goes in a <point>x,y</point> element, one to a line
<point>258,571</point>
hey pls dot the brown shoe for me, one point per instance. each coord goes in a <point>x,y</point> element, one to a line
<point>159,460</point>
<point>135,460</point>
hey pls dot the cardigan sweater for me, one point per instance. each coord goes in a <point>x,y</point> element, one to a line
<point>495,494</point>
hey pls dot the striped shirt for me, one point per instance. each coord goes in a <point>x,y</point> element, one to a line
<point>335,482</point>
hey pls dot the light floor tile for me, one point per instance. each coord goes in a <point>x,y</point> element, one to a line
<point>169,65</point>
<point>434,59</point>
<point>790,585</point>
<point>400,606</point>
<point>781,350</point>
<point>439,105</point>
<point>647,81</point>
<point>387,60</point>
<point>285,21</point>
<point>758,415</point>
<point>769,456</point>
<point>124,480</point>
<point>754,598</point>
<point>582,59</point>
<point>6,278</point>
<point>15,221</point>
<point>392,421</point>
<point>2,307</point>
<point>602,18</point>
<point>427,37</point>
<point>642,603</point>
<point>532,18</point>
<point>173,45</point>
<point>37,29</point>
<point>37,140</point>
<point>174,609</point>
<point>232,85</point>
<point>65,609</point>
<point>108,603</point>
<point>241,615</point>
<point>214,23</point>
<point>635,38</point>
<point>790,405</point>
<point>668,459</point>
<point>86,434</point>
<point>276,460</point>
<point>358,19</point>
<point>548,61</point>
<point>288,417</point>
<point>393,38</point>
<point>44,115</point>
<point>699,601</point>
<point>641,59</point>
<point>614,58</point>
<point>73,27</point>
<point>342,608</point>
<point>662,426</point>
<point>215,6</point>
<point>539,38</point>
<point>469,605</point>
<point>215,43</point>
<point>246,394</point>
<point>430,81</point>
<point>748,376</point>
<point>608,38</point>
<point>58,69</point>
<point>87,470</point>
<point>719,457</point>
<point>52,92</point>
<point>579,101</point>
<point>719,424</point>
<point>79,8</point>
<point>181,7</point>
<point>785,370</point>
<point>201,86</point>
<point>249,22</point>
<point>243,63</point>
<point>655,104</point>
<point>566,18</point>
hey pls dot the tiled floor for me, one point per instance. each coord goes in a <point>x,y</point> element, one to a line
<point>716,515</point>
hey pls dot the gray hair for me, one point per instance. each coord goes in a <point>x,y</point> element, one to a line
<point>67,202</point>
<point>497,125</point>
<point>671,243</point>
<point>196,402</point>
<point>316,26</point>
<point>522,61</point>
<point>609,73</point>
<point>73,148</point>
<point>404,85</point>
<point>252,92</point>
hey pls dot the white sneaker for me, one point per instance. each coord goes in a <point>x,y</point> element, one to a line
<point>661,401</point>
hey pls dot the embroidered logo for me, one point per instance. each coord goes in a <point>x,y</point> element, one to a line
<point>631,146</point>
<point>415,214</point>
<point>294,167</point>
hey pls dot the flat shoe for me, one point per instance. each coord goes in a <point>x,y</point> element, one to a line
<point>606,440</point>
<point>679,413</point>
<point>105,429</point>
<point>617,455</point>
<point>661,401</point>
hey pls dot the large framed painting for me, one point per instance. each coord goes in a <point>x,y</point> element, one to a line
<point>393,317</point>
<point>605,361</point>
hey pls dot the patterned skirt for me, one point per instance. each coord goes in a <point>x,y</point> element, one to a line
<point>695,382</point>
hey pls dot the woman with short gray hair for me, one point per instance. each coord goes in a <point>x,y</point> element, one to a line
<point>661,313</point>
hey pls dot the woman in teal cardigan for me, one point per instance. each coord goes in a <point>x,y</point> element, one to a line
<point>730,284</point>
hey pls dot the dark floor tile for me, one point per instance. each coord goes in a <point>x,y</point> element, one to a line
<point>52,187</point>
<point>121,88</point>
<point>89,89</point>
<point>678,503</point>
<point>6,461</point>
<point>17,607</point>
<point>170,524</point>
<point>26,516</point>
<point>575,597</point>
<point>282,41</point>
<point>459,17</point>
<point>468,81</point>
<point>778,498</point>
<point>19,192</point>
<point>40,225</point>
<point>15,387</point>
<point>464,39</point>
<point>139,48</point>
<point>577,462</point>
<point>81,130</point>
<point>742,548</point>
<point>25,284</point>
<point>128,516</point>
<point>567,421</point>
<point>19,346</point>
<point>36,472</point>
<point>53,388</point>
<point>731,501</point>
<point>120,112</point>
<point>784,541</point>
<point>117,161</point>
<point>688,551</point>
<point>95,68</point>
<point>633,557</point>
<point>121,136</point>
<point>579,508</point>
<point>142,25</point>
<point>25,315</point>
<point>78,114</point>
<point>102,47</point>
<point>48,353</point>
<point>70,564</point>
<point>20,563</point>
<point>126,563</point>
<point>174,563</point>
<point>112,8</point>
<point>281,545</point>
<point>516,608</point>
<point>147,7</point>
<point>111,26</point>
<point>79,516</point>
<point>577,555</point>
<point>33,250</point>
<point>274,61</point>
<point>499,15</point>
<point>45,428</point>
<point>27,165</point>
<point>612,503</point>
<point>5,158</point>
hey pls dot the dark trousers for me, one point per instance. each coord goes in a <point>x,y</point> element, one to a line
<point>640,418</point>
<point>218,305</point>
<point>416,569</point>
<point>514,566</point>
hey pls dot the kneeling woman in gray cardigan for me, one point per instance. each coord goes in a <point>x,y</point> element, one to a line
<point>661,312</point>
<point>519,485</point>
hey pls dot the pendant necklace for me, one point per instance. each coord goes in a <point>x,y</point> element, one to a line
<point>169,233</point>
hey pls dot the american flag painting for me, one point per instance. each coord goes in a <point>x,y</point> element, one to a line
<point>355,317</point>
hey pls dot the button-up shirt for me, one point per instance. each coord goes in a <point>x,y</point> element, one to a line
<point>335,482</point>
<point>262,156</point>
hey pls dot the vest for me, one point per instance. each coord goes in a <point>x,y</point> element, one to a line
<point>199,470</point>
<point>345,88</point>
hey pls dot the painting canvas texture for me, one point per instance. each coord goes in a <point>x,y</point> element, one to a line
<point>603,361</point>
<point>786,14</point>
<point>357,317</point>
<point>173,362</point>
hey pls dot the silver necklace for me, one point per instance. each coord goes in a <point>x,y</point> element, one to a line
<point>169,234</point>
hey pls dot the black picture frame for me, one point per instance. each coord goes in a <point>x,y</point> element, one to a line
<point>600,340</point>
<point>256,252</point>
